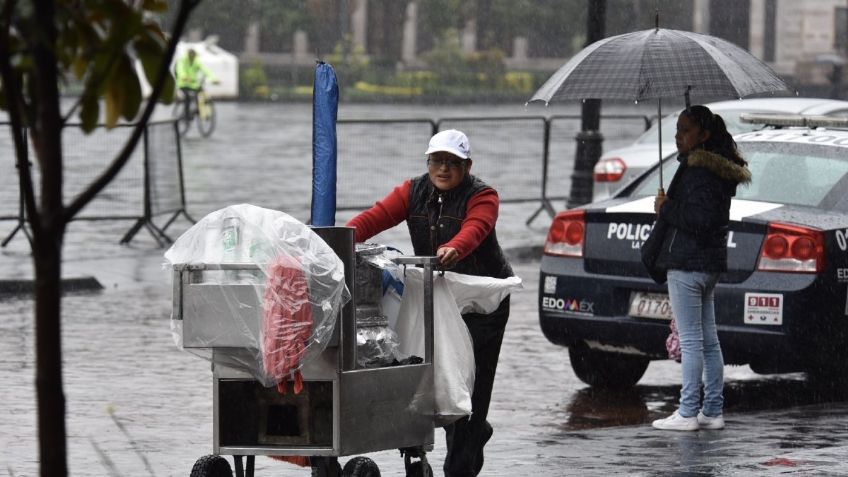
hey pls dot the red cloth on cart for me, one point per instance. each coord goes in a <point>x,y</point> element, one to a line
<point>286,323</point>
<point>300,460</point>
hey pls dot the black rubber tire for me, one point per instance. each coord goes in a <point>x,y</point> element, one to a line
<point>419,469</point>
<point>605,369</point>
<point>178,113</point>
<point>207,125</point>
<point>211,466</point>
<point>361,467</point>
<point>827,377</point>
<point>322,471</point>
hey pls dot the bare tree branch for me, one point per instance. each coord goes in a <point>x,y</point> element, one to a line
<point>47,130</point>
<point>80,201</point>
<point>15,105</point>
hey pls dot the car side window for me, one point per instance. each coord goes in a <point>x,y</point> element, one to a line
<point>649,184</point>
<point>781,173</point>
<point>791,178</point>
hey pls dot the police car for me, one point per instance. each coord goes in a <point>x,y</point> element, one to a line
<point>781,306</point>
<point>617,167</point>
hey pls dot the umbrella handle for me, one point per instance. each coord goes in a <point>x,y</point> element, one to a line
<point>660,191</point>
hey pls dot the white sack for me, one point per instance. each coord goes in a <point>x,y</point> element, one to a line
<point>480,294</point>
<point>453,366</point>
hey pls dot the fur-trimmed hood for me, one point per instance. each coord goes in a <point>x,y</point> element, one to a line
<point>720,166</point>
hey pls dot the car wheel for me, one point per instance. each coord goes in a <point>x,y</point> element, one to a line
<point>827,376</point>
<point>605,369</point>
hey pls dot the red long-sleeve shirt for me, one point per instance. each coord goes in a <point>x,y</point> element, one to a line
<point>481,213</point>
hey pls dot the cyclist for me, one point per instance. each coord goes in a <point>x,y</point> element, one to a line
<point>190,75</point>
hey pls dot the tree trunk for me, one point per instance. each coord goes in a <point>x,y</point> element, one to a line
<point>32,98</point>
<point>48,234</point>
<point>47,253</point>
<point>485,35</point>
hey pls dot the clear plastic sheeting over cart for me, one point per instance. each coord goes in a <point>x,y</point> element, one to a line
<point>264,291</point>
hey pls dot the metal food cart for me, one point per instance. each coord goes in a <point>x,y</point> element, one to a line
<point>343,409</point>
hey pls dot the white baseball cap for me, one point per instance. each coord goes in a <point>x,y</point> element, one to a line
<point>452,141</point>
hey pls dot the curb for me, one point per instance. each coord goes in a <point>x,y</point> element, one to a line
<point>26,287</point>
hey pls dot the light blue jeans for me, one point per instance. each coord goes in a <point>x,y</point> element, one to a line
<point>693,303</point>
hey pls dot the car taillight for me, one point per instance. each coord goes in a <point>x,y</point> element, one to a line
<point>609,170</point>
<point>565,237</point>
<point>791,248</point>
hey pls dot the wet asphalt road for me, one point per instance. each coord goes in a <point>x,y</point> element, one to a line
<point>138,406</point>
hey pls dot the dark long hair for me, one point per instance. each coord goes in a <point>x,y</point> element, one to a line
<point>720,140</point>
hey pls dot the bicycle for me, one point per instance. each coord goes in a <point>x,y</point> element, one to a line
<point>200,106</point>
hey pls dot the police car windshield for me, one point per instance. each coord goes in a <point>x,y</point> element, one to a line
<point>785,173</point>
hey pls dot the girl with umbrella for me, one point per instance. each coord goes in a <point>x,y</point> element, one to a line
<point>694,251</point>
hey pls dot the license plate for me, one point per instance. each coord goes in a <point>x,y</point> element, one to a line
<point>650,305</point>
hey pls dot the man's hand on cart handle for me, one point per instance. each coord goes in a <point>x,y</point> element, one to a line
<point>448,256</point>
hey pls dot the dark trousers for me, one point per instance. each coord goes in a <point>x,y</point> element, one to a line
<point>188,98</point>
<point>466,437</point>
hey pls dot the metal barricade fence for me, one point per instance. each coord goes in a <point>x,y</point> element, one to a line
<point>376,155</point>
<point>150,183</point>
<point>506,152</point>
<point>526,158</point>
<point>618,130</point>
<point>165,183</point>
<point>9,190</point>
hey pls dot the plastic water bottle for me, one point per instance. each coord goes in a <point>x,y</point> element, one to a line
<point>230,241</point>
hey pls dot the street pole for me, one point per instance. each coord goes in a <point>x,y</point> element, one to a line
<point>589,139</point>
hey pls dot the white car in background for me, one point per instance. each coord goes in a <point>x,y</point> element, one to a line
<point>618,167</point>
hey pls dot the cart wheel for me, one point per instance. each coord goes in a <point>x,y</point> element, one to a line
<point>361,467</point>
<point>419,469</point>
<point>211,466</point>
<point>325,467</point>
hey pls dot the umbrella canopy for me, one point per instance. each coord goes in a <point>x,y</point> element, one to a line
<point>660,63</point>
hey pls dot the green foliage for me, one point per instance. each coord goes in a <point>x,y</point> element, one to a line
<point>437,16</point>
<point>254,80</point>
<point>279,19</point>
<point>447,59</point>
<point>349,60</point>
<point>97,43</point>
<point>549,25</point>
<point>425,79</point>
<point>226,19</point>
<point>518,81</point>
<point>624,16</point>
<point>452,66</point>
<point>488,65</point>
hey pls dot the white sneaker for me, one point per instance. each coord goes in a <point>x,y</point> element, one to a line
<point>708,422</point>
<point>676,422</point>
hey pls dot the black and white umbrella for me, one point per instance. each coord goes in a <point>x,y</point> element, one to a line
<point>660,63</point>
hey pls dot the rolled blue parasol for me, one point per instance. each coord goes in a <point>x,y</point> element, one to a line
<point>325,106</point>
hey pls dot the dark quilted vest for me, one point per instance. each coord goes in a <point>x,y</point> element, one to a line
<point>432,223</point>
